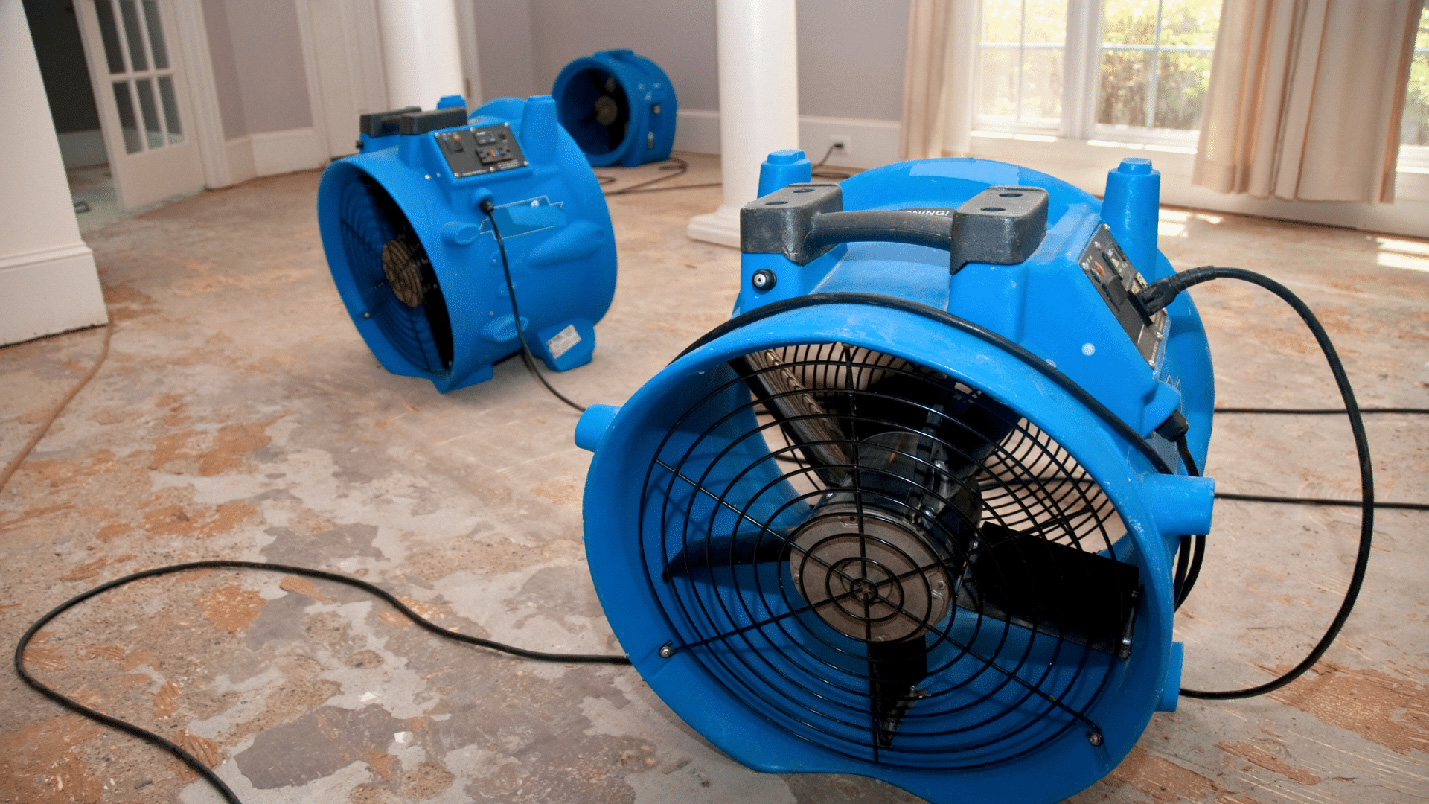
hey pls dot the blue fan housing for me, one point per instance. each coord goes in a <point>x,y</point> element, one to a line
<point>416,261</point>
<point>619,107</point>
<point>699,516</point>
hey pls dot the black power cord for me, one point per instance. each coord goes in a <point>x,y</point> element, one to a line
<point>670,168</point>
<point>1153,299</point>
<point>489,208</point>
<point>189,759</point>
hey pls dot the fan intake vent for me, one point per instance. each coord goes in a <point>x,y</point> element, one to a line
<point>393,274</point>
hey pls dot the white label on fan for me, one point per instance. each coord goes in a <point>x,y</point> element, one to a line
<point>562,341</point>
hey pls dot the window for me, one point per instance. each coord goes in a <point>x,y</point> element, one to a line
<point>1414,126</point>
<point>1118,69</point>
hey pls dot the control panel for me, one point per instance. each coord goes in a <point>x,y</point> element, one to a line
<point>1106,265</point>
<point>480,149</point>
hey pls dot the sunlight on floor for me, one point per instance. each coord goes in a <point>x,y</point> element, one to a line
<point>1397,252</point>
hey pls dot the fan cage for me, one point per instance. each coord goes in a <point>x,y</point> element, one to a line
<point>729,488</point>
<point>581,111</point>
<point>394,276</point>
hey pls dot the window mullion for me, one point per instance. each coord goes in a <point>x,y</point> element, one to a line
<point>1079,80</point>
<point>1155,70</point>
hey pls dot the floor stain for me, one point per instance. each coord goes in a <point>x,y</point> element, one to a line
<point>166,700</point>
<point>232,608</point>
<point>1384,709</point>
<point>233,443</point>
<point>40,764</point>
<point>1256,755</point>
<point>1161,779</point>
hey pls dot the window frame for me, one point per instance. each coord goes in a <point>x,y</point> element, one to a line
<point>1414,157</point>
<point>1081,83</point>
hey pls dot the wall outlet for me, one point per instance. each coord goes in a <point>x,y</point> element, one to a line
<point>843,146</point>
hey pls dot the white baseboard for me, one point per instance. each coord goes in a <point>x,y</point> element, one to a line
<point>871,142</point>
<point>274,152</point>
<point>277,152</point>
<point>240,159</point>
<point>697,131</point>
<point>49,291</point>
<point>83,148</point>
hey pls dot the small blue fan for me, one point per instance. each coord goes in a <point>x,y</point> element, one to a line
<point>416,260</point>
<point>619,107</point>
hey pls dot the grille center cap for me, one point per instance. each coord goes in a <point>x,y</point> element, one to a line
<point>868,577</point>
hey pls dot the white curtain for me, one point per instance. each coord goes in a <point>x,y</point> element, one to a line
<point>937,78</point>
<point>1305,99</point>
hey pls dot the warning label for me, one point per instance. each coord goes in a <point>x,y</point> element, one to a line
<point>562,341</point>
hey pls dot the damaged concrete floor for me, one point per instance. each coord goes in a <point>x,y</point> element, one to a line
<point>240,416</point>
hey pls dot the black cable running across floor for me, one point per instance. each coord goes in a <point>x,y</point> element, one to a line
<point>189,759</point>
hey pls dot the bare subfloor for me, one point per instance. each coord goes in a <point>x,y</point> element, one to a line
<point>240,416</point>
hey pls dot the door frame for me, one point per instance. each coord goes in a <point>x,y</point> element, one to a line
<point>362,65</point>
<point>192,30</point>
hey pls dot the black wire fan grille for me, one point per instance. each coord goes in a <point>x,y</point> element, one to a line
<point>394,275</point>
<point>884,562</point>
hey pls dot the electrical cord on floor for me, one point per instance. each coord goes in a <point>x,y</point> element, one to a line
<point>1155,298</point>
<point>672,168</point>
<point>815,171</point>
<point>189,759</point>
<point>59,408</point>
<point>489,209</point>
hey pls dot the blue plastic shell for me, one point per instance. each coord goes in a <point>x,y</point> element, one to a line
<point>552,216</point>
<point>647,97</point>
<point>1048,306</point>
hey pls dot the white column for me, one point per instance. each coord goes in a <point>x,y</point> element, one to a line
<point>421,51</point>
<point>48,282</point>
<point>758,104</point>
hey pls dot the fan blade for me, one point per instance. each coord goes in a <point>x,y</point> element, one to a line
<point>808,426</point>
<point>726,551</point>
<point>614,134</point>
<point>894,670</point>
<point>970,423</point>
<point>1052,588</point>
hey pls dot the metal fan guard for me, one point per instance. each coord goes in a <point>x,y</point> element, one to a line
<point>995,691</point>
<point>386,259</point>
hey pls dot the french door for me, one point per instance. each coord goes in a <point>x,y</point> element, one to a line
<point>143,98</point>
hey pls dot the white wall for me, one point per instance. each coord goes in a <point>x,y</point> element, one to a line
<point>48,282</point>
<point>261,78</point>
<point>850,62</point>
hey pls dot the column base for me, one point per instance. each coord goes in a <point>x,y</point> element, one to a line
<point>720,227</point>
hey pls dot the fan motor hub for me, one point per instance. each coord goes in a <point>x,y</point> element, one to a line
<point>607,109</point>
<point>869,577</point>
<point>401,264</point>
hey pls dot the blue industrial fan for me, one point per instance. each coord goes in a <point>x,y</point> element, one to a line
<point>417,262</point>
<point>911,513</point>
<point>619,107</point>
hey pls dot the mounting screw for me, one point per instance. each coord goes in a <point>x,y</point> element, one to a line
<point>764,279</point>
<point>366,314</point>
<point>667,650</point>
<point>1095,737</point>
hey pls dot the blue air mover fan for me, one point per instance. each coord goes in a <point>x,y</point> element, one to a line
<point>619,107</point>
<point>417,263</point>
<point>911,513</point>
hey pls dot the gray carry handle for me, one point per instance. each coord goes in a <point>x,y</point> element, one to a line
<point>879,225</point>
<point>1001,225</point>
